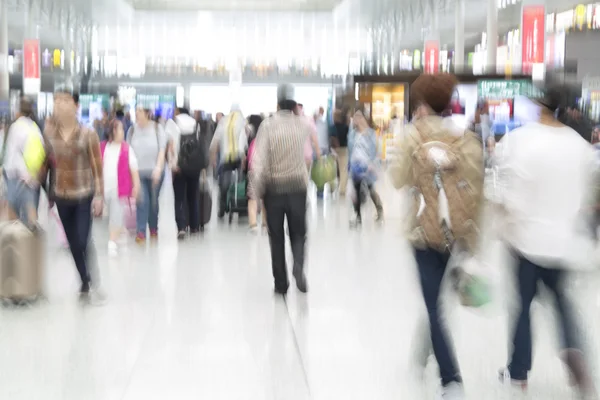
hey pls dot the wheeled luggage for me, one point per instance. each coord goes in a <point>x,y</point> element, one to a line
<point>21,262</point>
<point>205,198</point>
<point>237,200</point>
<point>204,202</point>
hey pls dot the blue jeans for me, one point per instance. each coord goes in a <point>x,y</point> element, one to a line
<point>432,267</point>
<point>147,205</point>
<point>76,218</point>
<point>528,276</point>
<point>20,196</point>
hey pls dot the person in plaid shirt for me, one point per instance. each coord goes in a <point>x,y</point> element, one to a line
<point>76,184</point>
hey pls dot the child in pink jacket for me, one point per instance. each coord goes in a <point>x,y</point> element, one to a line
<point>121,182</point>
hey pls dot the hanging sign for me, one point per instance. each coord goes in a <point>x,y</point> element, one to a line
<point>432,57</point>
<point>417,60</point>
<point>532,35</point>
<point>31,67</point>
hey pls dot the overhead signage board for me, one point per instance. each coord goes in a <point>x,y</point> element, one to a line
<point>532,34</point>
<point>31,67</point>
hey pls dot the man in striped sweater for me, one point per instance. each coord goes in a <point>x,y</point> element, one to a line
<point>280,177</point>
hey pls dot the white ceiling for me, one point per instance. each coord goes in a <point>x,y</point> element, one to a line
<point>235,5</point>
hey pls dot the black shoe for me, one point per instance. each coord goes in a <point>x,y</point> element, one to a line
<point>301,283</point>
<point>84,289</point>
<point>281,291</point>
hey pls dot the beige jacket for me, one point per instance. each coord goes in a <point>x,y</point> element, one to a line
<point>401,168</point>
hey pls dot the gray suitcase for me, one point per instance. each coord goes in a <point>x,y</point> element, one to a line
<point>21,262</point>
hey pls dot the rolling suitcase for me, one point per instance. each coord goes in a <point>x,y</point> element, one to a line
<point>237,200</point>
<point>205,198</point>
<point>21,262</point>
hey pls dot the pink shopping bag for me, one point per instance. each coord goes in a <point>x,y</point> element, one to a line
<point>129,215</point>
<point>60,231</point>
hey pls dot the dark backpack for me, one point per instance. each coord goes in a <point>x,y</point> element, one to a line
<point>192,157</point>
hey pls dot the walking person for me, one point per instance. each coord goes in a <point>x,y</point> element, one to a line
<point>339,142</point>
<point>548,192</point>
<point>363,156</point>
<point>149,142</point>
<point>21,177</point>
<point>255,204</point>
<point>187,160</point>
<point>121,181</point>
<point>228,152</point>
<point>76,186</point>
<point>443,165</point>
<point>280,177</point>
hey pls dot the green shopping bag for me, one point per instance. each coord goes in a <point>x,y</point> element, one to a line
<point>324,171</point>
<point>474,291</point>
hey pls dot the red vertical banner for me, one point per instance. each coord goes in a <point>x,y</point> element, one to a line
<point>31,66</point>
<point>432,57</point>
<point>532,36</point>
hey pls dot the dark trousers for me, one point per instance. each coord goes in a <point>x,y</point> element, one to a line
<point>372,192</point>
<point>76,218</point>
<point>432,267</point>
<point>279,207</point>
<point>187,203</point>
<point>225,175</point>
<point>528,275</point>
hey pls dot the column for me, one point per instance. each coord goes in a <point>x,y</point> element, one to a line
<point>492,36</point>
<point>4,78</point>
<point>459,36</point>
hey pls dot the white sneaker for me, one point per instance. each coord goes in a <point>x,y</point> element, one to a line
<point>452,391</point>
<point>113,249</point>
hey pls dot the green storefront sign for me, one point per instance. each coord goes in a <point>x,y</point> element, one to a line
<point>506,89</point>
<point>154,101</point>
<point>86,99</point>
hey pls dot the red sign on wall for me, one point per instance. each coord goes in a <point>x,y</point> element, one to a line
<point>432,57</point>
<point>532,34</point>
<point>31,59</point>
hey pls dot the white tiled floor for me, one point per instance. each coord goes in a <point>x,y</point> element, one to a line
<point>198,320</point>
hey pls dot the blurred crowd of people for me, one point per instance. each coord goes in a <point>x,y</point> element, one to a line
<point>547,204</point>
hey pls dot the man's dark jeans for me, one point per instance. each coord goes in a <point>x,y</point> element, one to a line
<point>279,207</point>
<point>225,180</point>
<point>185,189</point>
<point>432,268</point>
<point>528,275</point>
<point>76,218</point>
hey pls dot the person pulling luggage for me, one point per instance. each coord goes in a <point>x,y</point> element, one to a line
<point>23,156</point>
<point>187,160</point>
<point>229,145</point>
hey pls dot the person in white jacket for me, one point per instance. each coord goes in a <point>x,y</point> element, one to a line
<point>187,159</point>
<point>547,174</point>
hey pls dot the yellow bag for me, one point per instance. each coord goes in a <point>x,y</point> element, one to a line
<point>34,153</point>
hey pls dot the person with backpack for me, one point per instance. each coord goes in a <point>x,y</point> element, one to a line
<point>443,166</point>
<point>149,142</point>
<point>187,160</point>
